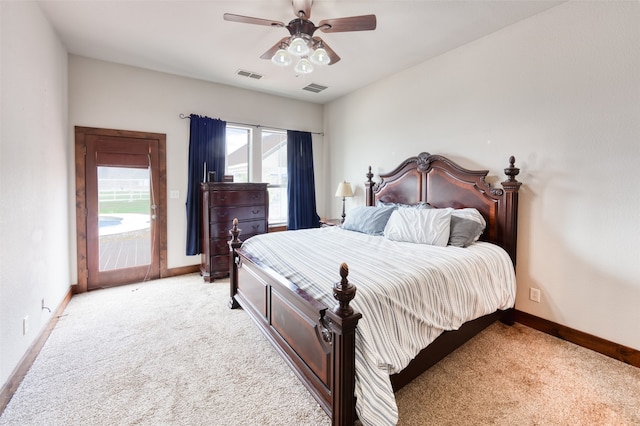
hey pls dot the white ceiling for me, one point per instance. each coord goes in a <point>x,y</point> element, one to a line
<point>191,39</point>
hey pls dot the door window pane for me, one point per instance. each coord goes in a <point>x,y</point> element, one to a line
<point>123,217</point>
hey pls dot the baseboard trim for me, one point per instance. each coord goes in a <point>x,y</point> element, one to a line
<point>9,388</point>
<point>613,350</point>
<point>181,270</point>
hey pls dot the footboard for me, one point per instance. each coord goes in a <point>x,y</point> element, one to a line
<point>318,343</point>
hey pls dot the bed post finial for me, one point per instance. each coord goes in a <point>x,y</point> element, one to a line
<point>344,292</point>
<point>235,233</point>
<point>511,171</point>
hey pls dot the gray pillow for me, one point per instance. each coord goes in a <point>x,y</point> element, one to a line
<point>463,231</point>
<point>367,219</point>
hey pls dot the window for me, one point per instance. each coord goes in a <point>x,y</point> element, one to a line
<point>274,172</point>
<point>262,160</point>
<point>238,153</point>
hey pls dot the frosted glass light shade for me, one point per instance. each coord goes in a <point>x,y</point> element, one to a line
<point>298,47</point>
<point>304,66</point>
<point>282,58</point>
<point>320,57</point>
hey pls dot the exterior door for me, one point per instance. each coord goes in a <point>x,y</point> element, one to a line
<point>122,207</point>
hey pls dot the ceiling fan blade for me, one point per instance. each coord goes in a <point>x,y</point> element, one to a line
<point>249,20</point>
<point>333,56</point>
<point>303,6</point>
<point>269,53</point>
<point>352,23</point>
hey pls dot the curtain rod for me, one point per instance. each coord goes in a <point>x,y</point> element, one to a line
<point>182,117</point>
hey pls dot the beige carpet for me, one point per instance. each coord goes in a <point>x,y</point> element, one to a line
<point>170,352</point>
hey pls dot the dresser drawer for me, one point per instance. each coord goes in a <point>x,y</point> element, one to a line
<point>227,214</point>
<point>234,198</point>
<point>251,227</point>
<point>219,264</point>
<point>219,246</point>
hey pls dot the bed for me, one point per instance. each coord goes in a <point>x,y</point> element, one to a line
<point>320,331</point>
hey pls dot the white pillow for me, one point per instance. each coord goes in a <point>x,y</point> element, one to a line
<point>421,226</point>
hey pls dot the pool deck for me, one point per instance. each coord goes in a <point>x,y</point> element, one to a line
<point>126,244</point>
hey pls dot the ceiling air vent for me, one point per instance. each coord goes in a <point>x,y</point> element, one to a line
<point>249,74</point>
<point>315,88</point>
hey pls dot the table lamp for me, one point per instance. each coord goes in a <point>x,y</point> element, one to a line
<point>344,190</point>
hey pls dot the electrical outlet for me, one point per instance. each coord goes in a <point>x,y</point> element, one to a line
<point>25,325</point>
<point>534,294</point>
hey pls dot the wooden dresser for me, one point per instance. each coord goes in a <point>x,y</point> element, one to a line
<point>221,203</point>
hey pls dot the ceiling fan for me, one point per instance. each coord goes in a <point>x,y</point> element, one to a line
<point>302,43</point>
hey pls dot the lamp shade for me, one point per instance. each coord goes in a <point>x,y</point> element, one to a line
<point>320,57</point>
<point>298,46</point>
<point>304,66</point>
<point>344,190</point>
<point>282,58</point>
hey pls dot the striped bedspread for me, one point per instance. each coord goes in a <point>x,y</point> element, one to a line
<point>408,294</point>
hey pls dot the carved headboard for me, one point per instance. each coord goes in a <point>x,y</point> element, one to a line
<point>442,183</point>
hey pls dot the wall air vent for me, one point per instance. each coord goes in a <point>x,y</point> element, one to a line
<point>315,88</point>
<point>249,74</point>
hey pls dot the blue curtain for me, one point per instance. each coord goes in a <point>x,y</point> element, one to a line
<point>301,190</point>
<point>207,153</point>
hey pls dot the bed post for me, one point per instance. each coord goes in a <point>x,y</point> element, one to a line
<point>234,243</point>
<point>510,209</point>
<point>368,188</point>
<point>342,321</point>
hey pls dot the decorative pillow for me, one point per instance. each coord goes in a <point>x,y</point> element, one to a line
<point>466,227</point>
<point>367,219</point>
<point>421,226</point>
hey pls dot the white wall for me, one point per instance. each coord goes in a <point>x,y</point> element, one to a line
<point>561,92</point>
<point>34,226</point>
<point>108,95</point>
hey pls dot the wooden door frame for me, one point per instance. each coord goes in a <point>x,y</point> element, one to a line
<point>81,202</point>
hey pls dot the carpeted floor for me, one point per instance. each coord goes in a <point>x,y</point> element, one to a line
<point>169,352</point>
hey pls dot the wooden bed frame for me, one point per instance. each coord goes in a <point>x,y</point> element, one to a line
<point>317,341</point>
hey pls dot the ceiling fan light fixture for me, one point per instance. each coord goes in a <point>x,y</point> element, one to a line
<point>320,57</point>
<point>298,46</point>
<point>282,58</point>
<point>304,66</point>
